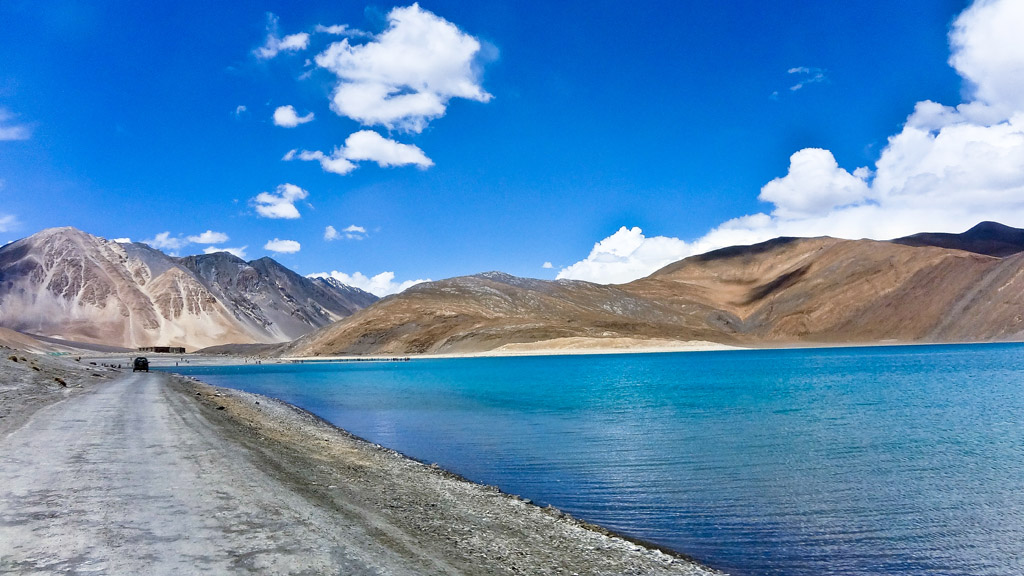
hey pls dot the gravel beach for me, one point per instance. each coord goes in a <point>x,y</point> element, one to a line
<point>110,472</point>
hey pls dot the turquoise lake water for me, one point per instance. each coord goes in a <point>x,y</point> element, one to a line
<point>887,460</point>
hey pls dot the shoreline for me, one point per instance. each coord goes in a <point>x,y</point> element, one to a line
<point>224,392</point>
<point>360,501</point>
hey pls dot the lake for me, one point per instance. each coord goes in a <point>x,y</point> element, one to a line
<point>878,460</point>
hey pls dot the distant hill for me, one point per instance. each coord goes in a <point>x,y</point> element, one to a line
<point>65,283</point>
<point>784,291</point>
<point>989,238</point>
<point>485,311</point>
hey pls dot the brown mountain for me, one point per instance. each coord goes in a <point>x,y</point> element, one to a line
<point>71,285</point>
<point>488,310</point>
<point>990,238</point>
<point>784,291</point>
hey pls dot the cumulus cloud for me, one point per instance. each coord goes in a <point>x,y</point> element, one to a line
<point>947,169</point>
<point>382,284</point>
<point>281,203</point>
<point>353,232</point>
<point>988,53</point>
<point>365,145</point>
<point>275,44</point>
<point>11,131</point>
<point>164,241</point>
<point>239,251</point>
<point>121,240</point>
<point>336,162</point>
<point>282,246</point>
<point>209,237</point>
<point>626,255</point>
<point>370,146</point>
<point>287,117</point>
<point>814,185</point>
<point>405,76</point>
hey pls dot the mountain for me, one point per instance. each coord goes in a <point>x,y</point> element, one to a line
<point>489,310</point>
<point>989,238</point>
<point>65,283</point>
<point>825,290</point>
<point>784,291</point>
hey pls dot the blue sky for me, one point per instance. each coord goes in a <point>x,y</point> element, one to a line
<point>557,125</point>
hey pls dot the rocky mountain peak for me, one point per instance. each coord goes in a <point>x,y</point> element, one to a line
<point>66,283</point>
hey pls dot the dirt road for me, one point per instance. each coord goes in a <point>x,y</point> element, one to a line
<point>127,477</point>
<point>151,474</point>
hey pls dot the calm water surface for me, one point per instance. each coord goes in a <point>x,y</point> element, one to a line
<point>902,460</point>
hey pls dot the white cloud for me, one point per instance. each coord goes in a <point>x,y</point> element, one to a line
<point>336,162</point>
<point>209,237</point>
<point>282,246</point>
<point>987,51</point>
<point>368,145</point>
<point>353,232</point>
<point>239,251</point>
<point>404,77</point>
<point>12,131</point>
<point>626,255</point>
<point>814,185</point>
<point>945,171</point>
<point>239,110</point>
<point>340,30</point>
<point>7,222</point>
<point>122,240</point>
<point>164,241</point>
<point>280,204</point>
<point>805,76</point>
<point>287,117</point>
<point>547,265</point>
<point>275,44</point>
<point>365,145</point>
<point>382,284</point>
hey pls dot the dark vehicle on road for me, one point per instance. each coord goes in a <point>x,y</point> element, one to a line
<point>140,364</point>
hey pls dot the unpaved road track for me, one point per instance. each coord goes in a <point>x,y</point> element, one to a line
<point>130,478</point>
<point>155,474</point>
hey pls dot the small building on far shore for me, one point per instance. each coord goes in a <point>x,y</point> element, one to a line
<point>165,349</point>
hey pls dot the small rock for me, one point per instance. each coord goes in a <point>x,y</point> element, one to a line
<point>220,407</point>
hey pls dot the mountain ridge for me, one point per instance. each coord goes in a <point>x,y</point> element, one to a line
<point>785,291</point>
<point>66,283</point>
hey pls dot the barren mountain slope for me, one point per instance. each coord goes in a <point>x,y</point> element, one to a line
<point>268,298</point>
<point>787,290</point>
<point>990,238</point>
<point>65,283</point>
<point>829,290</point>
<point>485,311</point>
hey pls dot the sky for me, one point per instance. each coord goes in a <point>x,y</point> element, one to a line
<point>386,144</point>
